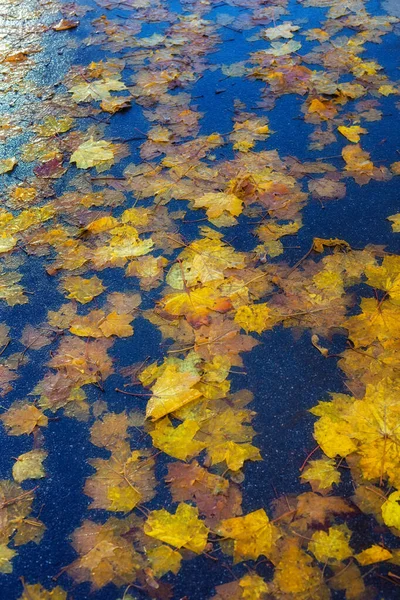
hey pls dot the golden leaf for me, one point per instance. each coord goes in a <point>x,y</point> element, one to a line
<point>177,441</point>
<point>331,546</point>
<point>172,390</point>
<point>374,554</point>
<point>93,154</point>
<point>83,290</point>
<point>181,530</point>
<point>29,466</point>
<point>253,535</point>
<point>164,559</point>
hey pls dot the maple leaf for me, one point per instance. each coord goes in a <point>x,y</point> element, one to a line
<point>253,586</point>
<point>114,104</point>
<point>253,535</point>
<point>7,164</point>
<point>177,441</point>
<point>256,317</point>
<point>96,90</point>
<point>52,126</point>
<point>65,24</point>
<point>327,188</point>
<point>352,133</point>
<point>332,545</point>
<point>358,163</point>
<point>36,592</point>
<point>222,334</point>
<point>35,338</point>
<point>285,31</point>
<point>391,510</point>
<point>378,321</point>
<point>93,153</point>
<point>325,110</point>
<point>348,578</point>
<point>97,324</point>
<point>111,431</point>
<point>4,337</point>
<point>29,466</point>
<point>214,496</point>
<point>195,305</point>
<point>295,576</point>
<point>104,554</point>
<point>6,376</point>
<point>368,427</point>
<point>374,554</point>
<point>83,290</point>
<point>232,453</point>
<point>315,509</point>
<point>331,433</point>
<point>6,556</point>
<point>320,243</point>
<point>181,530</point>
<point>203,261</point>
<point>22,418</point>
<point>226,434</point>
<point>281,49</point>
<point>386,277</point>
<point>15,508</point>
<point>219,202</point>
<point>172,390</point>
<point>321,474</point>
<point>395,222</point>
<point>122,481</point>
<point>164,559</point>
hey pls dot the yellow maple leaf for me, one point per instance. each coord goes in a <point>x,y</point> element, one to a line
<point>29,466</point>
<point>184,529</point>
<point>81,289</point>
<point>232,453</point>
<point>172,390</point>
<point>331,546</point>
<point>96,90</point>
<point>37,592</point>
<point>52,126</point>
<point>7,164</point>
<point>218,202</point>
<point>352,133</point>
<point>321,474</point>
<point>177,441</point>
<point>386,90</point>
<point>117,324</point>
<point>372,555</point>
<point>6,556</point>
<point>93,154</point>
<point>255,317</point>
<point>331,432</point>
<point>253,586</point>
<point>164,559</point>
<point>358,162</point>
<point>295,576</point>
<point>102,224</point>
<point>253,535</point>
<point>378,321</point>
<point>97,324</point>
<point>7,242</point>
<point>196,303</point>
<point>391,510</point>
<point>386,276</point>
